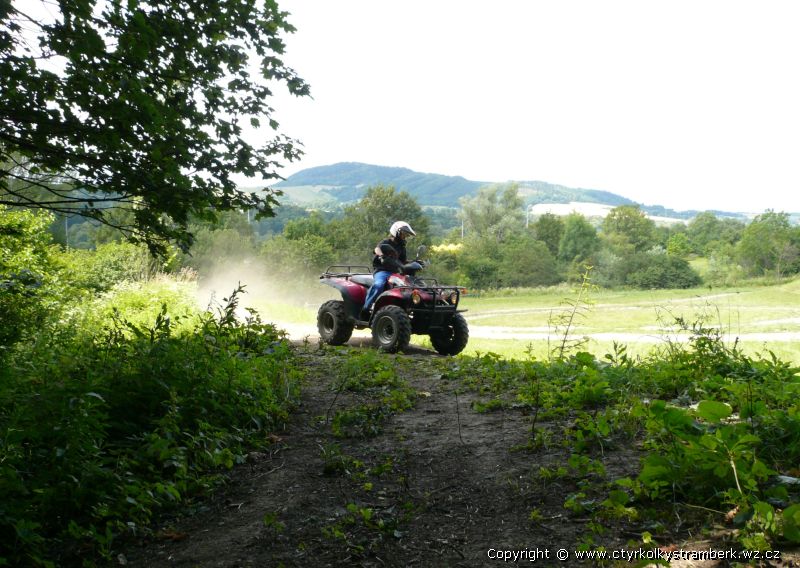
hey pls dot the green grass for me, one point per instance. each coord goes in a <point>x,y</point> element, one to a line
<point>640,319</point>
<point>742,312</point>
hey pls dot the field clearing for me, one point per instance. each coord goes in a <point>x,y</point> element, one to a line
<point>512,323</point>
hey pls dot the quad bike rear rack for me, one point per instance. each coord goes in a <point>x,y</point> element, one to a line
<point>351,270</point>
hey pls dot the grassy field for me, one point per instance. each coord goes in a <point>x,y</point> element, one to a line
<point>760,317</point>
<point>512,322</point>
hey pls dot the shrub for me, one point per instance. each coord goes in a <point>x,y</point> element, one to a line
<point>27,274</point>
<point>111,263</point>
<point>648,271</point>
<point>98,433</point>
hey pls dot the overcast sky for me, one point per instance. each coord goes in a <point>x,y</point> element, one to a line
<point>687,104</point>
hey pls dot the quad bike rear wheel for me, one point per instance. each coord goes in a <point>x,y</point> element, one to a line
<point>335,328</point>
<point>391,329</point>
<point>452,338</point>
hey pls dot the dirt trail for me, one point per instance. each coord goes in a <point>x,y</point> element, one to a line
<point>440,485</point>
<point>441,481</point>
<point>308,332</point>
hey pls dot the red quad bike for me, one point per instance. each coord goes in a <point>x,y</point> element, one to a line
<point>408,305</point>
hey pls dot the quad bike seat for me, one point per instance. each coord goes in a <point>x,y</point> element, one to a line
<point>363,279</point>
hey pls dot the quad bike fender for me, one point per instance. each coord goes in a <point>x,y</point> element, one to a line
<point>353,294</point>
<point>391,297</point>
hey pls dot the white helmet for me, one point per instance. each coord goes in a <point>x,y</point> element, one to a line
<point>401,227</point>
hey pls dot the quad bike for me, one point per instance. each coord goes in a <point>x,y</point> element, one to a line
<point>408,305</point>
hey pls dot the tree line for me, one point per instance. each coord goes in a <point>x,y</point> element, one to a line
<point>489,244</point>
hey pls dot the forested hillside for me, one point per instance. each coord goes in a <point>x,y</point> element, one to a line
<point>346,182</point>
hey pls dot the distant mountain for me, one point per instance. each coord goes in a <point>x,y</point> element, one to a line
<point>346,182</point>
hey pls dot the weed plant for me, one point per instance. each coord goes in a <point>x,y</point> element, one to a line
<point>373,376</point>
<point>719,430</point>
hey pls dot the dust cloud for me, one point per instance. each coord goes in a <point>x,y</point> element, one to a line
<point>286,299</point>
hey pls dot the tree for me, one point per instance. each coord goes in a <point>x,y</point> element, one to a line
<point>480,262</point>
<point>702,230</point>
<point>549,228</point>
<point>706,230</point>
<point>306,255</point>
<point>678,245</point>
<point>314,224</point>
<point>495,212</point>
<point>527,262</point>
<point>768,245</point>
<point>141,105</point>
<point>579,241</point>
<point>627,226</point>
<point>368,221</point>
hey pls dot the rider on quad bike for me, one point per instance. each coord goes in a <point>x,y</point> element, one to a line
<point>408,305</point>
<point>390,256</point>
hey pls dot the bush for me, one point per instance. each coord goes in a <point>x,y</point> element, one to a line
<point>528,262</point>
<point>649,271</point>
<point>98,433</point>
<point>27,274</point>
<point>109,264</point>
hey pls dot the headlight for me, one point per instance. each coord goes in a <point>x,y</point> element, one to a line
<point>453,299</point>
<point>415,297</point>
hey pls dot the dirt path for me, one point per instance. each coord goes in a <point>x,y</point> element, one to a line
<point>308,332</point>
<point>440,481</point>
<point>439,484</point>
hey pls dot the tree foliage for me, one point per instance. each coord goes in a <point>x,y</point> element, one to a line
<point>549,229</point>
<point>769,244</point>
<point>579,241</point>
<point>27,273</point>
<point>651,271</point>
<point>368,221</point>
<point>495,212</point>
<point>141,105</point>
<point>627,228</point>
<point>678,245</point>
<point>706,231</point>
<point>527,262</point>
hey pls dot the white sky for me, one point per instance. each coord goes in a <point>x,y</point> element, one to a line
<point>686,104</point>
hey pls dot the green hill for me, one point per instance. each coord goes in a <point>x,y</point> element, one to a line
<point>345,182</point>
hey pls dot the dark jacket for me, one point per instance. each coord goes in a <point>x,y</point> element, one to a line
<point>394,256</point>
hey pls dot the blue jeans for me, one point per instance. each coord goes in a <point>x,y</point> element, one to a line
<point>378,284</point>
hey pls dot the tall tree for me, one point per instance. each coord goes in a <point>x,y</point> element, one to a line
<point>549,228</point>
<point>627,227</point>
<point>768,245</point>
<point>495,212</point>
<point>579,241</point>
<point>141,104</point>
<point>368,221</point>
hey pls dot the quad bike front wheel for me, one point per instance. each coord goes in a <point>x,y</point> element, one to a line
<point>334,327</point>
<point>391,329</point>
<point>452,338</point>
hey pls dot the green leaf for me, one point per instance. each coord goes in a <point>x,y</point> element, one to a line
<point>619,497</point>
<point>791,523</point>
<point>713,411</point>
